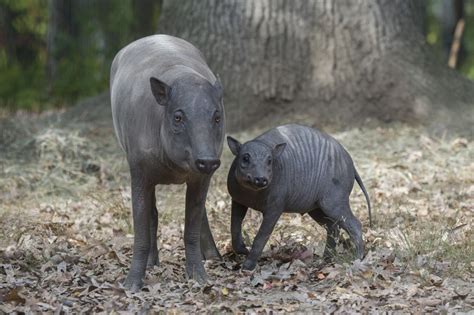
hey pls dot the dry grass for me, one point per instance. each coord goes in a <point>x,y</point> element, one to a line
<point>65,238</point>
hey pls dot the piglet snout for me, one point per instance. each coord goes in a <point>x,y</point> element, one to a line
<point>260,181</point>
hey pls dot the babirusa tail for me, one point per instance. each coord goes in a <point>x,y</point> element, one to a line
<point>359,181</point>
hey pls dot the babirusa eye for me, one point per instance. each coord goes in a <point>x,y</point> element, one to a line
<point>217,119</point>
<point>178,117</point>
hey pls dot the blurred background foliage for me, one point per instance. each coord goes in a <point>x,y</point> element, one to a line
<point>441,19</point>
<point>54,52</point>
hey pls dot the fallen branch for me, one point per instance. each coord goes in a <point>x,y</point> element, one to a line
<point>453,55</point>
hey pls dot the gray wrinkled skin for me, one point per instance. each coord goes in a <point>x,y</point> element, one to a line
<point>169,119</point>
<point>296,169</point>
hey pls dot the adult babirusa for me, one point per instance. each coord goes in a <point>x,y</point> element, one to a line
<point>169,119</point>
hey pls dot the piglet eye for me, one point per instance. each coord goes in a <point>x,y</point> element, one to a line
<point>246,158</point>
<point>217,119</point>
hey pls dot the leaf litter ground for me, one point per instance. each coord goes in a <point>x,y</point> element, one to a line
<point>66,232</point>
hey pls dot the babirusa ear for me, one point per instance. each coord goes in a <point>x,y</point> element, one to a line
<point>234,145</point>
<point>161,91</point>
<point>278,149</point>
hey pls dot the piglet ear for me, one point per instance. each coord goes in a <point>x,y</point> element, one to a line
<point>234,145</point>
<point>278,149</point>
<point>218,87</point>
<point>161,91</point>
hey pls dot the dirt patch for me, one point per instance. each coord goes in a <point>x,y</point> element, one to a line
<point>66,234</point>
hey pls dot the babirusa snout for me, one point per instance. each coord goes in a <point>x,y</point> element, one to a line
<point>207,165</point>
<point>257,181</point>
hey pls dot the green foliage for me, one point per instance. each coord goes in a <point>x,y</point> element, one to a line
<point>32,18</point>
<point>83,56</point>
<point>21,70</point>
<point>434,35</point>
<point>467,68</point>
<point>22,85</point>
<point>433,28</point>
<point>84,68</point>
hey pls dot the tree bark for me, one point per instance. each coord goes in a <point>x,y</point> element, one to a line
<point>336,61</point>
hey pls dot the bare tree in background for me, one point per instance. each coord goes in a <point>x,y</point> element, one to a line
<point>338,61</point>
<point>451,12</point>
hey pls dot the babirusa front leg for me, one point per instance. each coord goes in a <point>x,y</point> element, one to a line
<point>196,193</point>
<point>142,198</point>
<point>208,245</point>
<point>153,259</point>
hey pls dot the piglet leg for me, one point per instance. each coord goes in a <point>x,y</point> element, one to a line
<point>238,214</point>
<point>270,218</point>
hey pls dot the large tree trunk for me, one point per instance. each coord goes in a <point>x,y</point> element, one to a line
<point>339,61</point>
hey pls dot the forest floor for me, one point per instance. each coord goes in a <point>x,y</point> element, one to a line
<point>66,232</point>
